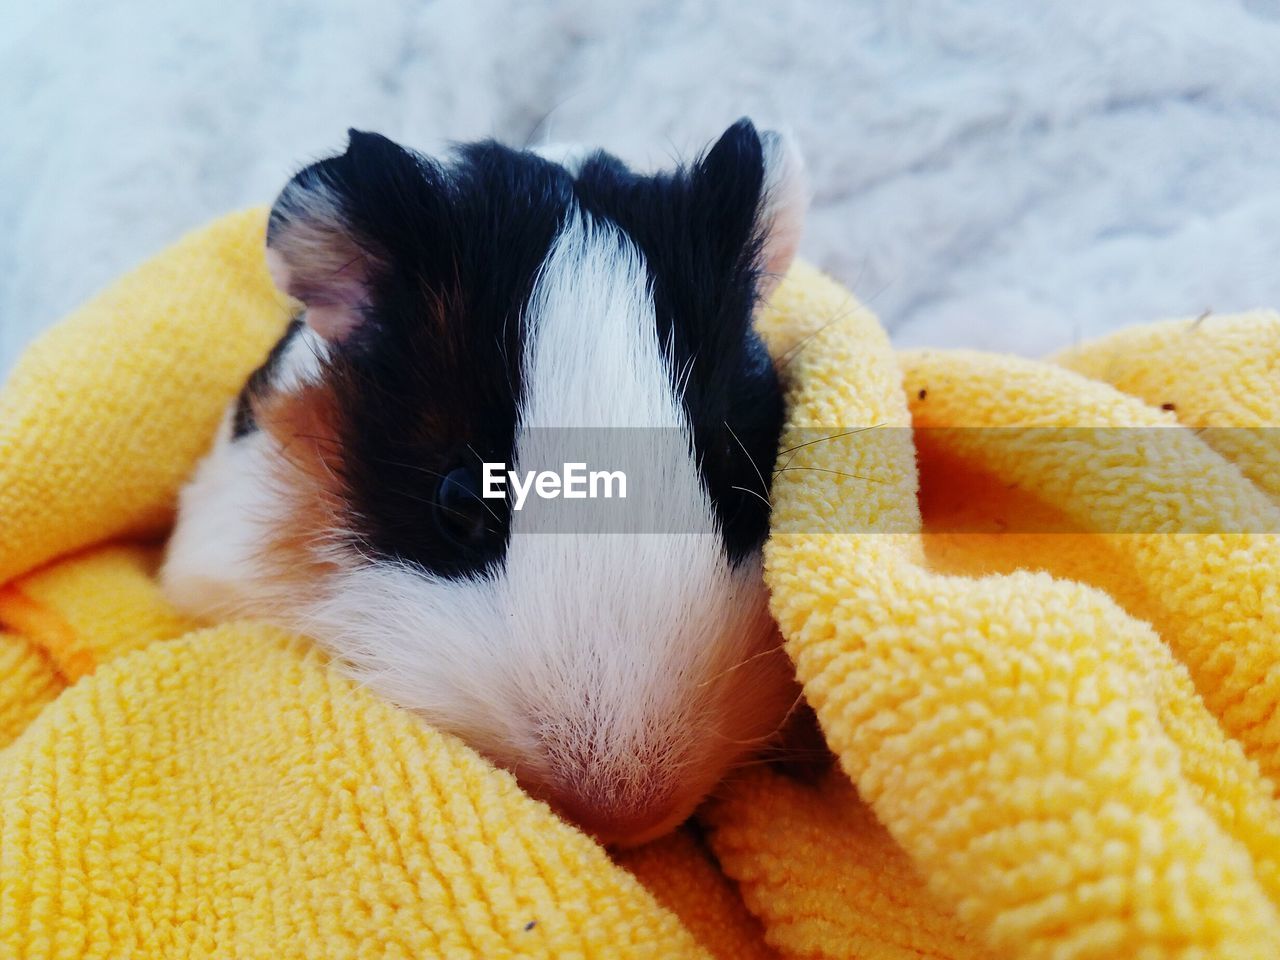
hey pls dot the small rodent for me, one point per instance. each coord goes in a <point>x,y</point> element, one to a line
<point>454,308</point>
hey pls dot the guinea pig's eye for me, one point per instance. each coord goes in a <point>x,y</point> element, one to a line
<point>460,512</point>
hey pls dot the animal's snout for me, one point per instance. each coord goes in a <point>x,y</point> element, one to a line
<point>615,815</point>
<point>622,796</point>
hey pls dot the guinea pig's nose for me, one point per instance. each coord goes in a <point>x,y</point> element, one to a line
<point>619,821</point>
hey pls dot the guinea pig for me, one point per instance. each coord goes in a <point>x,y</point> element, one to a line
<point>453,309</point>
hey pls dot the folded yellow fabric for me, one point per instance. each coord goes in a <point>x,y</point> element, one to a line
<point>1049,744</point>
<point>1036,750</point>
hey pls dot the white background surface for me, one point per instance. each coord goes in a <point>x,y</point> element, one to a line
<point>1001,175</point>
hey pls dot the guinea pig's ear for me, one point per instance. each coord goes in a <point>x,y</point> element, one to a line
<point>764,174</point>
<point>784,200</point>
<point>321,242</point>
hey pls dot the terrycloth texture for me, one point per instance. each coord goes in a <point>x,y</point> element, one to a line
<point>1036,750</point>
<point>1025,767</point>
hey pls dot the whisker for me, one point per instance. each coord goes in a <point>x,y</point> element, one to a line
<point>538,124</point>
<point>793,450</point>
<point>782,755</point>
<point>764,487</point>
<point>763,499</point>
<point>316,439</point>
<point>434,473</point>
<point>337,271</point>
<point>862,304</point>
<point>742,663</point>
<point>836,436</point>
<point>839,473</point>
<point>765,738</point>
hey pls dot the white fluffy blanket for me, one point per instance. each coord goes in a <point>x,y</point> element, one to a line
<point>995,174</point>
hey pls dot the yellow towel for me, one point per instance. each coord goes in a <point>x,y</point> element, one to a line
<point>1049,744</point>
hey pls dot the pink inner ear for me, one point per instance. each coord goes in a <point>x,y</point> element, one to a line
<point>785,201</point>
<point>780,247</point>
<point>331,279</point>
<point>333,323</point>
<point>278,267</point>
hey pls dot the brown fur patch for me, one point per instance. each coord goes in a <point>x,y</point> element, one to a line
<point>304,423</point>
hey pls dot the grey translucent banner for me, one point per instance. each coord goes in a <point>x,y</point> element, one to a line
<point>863,479</point>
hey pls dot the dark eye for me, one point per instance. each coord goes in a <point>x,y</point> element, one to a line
<point>461,513</point>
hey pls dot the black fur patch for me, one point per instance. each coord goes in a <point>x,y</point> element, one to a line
<point>243,421</point>
<point>697,230</point>
<point>431,380</point>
